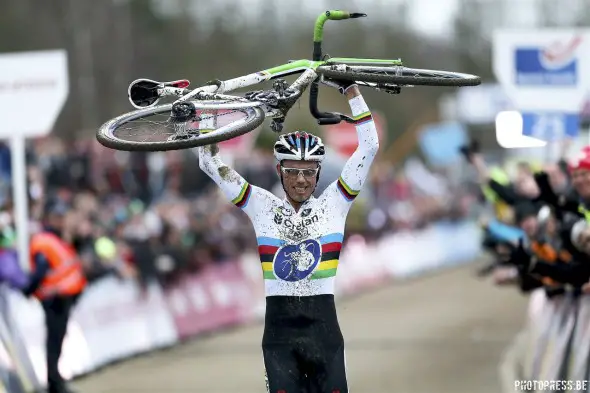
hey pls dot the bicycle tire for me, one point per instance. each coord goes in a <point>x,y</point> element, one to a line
<point>400,76</point>
<point>254,118</point>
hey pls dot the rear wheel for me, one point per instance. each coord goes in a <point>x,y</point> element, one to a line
<point>397,75</point>
<point>195,123</point>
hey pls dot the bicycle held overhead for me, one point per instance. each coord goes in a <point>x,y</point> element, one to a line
<point>208,114</point>
<point>300,236</point>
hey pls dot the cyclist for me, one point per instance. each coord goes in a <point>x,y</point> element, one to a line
<point>303,346</point>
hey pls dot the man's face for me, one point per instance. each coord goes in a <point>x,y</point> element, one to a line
<point>529,225</point>
<point>526,185</point>
<point>299,178</point>
<point>56,221</point>
<point>581,182</point>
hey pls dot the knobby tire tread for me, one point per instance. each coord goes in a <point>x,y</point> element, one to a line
<point>399,80</point>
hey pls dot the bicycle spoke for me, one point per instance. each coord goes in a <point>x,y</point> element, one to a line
<point>162,129</point>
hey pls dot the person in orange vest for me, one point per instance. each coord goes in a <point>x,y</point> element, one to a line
<point>59,290</point>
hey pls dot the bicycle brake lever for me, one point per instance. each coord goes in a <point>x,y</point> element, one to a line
<point>324,121</point>
<point>335,119</point>
<point>347,119</point>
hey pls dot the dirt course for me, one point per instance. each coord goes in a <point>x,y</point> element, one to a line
<point>443,333</point>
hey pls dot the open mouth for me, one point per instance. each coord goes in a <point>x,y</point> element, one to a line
<point>300,190</point>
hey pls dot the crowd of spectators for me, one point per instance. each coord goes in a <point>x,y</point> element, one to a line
<point>154,216</point>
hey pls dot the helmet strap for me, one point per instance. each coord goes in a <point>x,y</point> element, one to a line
<point>317,179</point>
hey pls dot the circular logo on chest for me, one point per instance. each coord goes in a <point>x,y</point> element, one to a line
<point>294,262</point>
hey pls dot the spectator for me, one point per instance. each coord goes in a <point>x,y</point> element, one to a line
<point>153,217</point>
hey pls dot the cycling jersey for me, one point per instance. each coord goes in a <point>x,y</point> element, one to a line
<point>299,250</point>
<point>303,347</point>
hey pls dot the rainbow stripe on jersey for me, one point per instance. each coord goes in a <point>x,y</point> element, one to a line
<point>362,118</point>
<point>328,266</point>
<point>243,197</point>
<point>348,193</point>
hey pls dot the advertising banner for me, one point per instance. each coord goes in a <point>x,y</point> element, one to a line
<point>543,69</point>
<point>543,72</point>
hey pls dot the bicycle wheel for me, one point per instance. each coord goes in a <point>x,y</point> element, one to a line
<point>154,129</point>
<point>398,75</point>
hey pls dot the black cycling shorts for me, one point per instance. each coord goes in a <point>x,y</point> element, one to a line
<point>302,345</point>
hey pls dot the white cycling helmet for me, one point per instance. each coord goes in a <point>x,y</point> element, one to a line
<point>299,145</point>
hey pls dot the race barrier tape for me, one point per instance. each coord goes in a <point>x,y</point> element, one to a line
<point>115,319</point>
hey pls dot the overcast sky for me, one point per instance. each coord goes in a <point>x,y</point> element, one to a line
<point>430,17</point>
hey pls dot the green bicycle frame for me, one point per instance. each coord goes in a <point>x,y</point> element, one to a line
<point>307,67</point>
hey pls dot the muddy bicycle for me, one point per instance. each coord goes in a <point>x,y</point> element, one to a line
<point>208,114</point>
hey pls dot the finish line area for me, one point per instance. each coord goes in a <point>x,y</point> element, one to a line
<point>440,333</point>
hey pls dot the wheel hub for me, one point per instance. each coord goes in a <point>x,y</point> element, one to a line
<point>182,112</point>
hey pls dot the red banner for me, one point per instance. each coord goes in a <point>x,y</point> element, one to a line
<point>218,296</point>
<point>343,137</point>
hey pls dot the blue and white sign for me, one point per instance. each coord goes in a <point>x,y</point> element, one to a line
<point>557,66</point>
<point>543,70</point>
<point>515,130</point>
<point>551,126</point>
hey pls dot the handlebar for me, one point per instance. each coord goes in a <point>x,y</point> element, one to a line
<point>325,118</point>
<point>331,15</point>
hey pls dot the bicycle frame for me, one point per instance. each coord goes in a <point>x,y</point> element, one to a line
<point>307,67</point>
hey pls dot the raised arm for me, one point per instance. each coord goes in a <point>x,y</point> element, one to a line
<point>356,169</point>
<point>235,188</point>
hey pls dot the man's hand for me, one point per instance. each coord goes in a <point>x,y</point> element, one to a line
<point>348,88</point>
<point>505,275</point>
<point>546,191</point>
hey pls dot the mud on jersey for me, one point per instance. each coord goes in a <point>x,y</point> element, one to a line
<point>299,250</point>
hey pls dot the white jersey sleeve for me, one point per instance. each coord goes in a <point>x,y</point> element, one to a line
<point>356,169</point>
<point>251,199</point>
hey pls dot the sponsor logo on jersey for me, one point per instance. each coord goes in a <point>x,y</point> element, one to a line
<point>294,262</point>
<point>279,218</point>
<point>305,212</point>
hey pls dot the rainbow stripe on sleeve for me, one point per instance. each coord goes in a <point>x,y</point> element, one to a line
<point>348,193</point>
<point>362,118</point>
<point>242,199</point>
<point>328,266</point>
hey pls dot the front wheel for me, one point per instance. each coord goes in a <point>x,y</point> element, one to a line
<point>397,75</point>
<point>159,128</point>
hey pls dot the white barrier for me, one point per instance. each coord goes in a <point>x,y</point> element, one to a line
<point>139,322</point>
